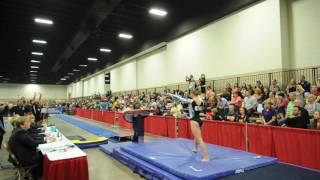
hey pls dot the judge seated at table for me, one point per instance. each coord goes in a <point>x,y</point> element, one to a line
<point>24,147</point>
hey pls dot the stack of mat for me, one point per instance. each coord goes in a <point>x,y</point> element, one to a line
<point>173,159</point>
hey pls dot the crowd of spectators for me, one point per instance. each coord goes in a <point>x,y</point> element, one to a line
<point>297,105</point>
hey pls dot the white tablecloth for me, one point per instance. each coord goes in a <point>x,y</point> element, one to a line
<point>62,148</point>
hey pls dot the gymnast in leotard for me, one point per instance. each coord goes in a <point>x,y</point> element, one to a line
<point>195,107</point>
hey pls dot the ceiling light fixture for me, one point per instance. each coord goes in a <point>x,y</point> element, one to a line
<point>92,59</point>
<point>76,70</point>
<point>33,71</point>
<point>125,36</point>
<point>35,61</point>
<point>39,41</point>
<point>34,67</point>
<point>71,74</point>
<point>158,12</point>
<point>63,79</point>
<point>37,53</point>
<point>43,21</point>
<point>105,50</point>
<point>83,65</point>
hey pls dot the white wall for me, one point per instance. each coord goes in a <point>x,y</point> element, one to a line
<point>94,85</point>
<point>270,35</point>
<point>124,77</point>
<point>304,24</point>
<point>232,45</point>
<point>15,91</point>
<point>151,69</point>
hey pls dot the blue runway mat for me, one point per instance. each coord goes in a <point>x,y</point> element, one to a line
<point>96,130</point>
<point>175,157</point>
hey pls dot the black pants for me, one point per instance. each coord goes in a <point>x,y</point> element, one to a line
<point>36,163</point>
<point>138,128</point>
<point>2,132</point>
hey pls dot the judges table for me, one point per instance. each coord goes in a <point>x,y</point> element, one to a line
<point>62,159</point>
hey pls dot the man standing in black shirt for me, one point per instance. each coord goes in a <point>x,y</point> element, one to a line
<point>19,109</point>
<point>36,111</point>
<point>305,84</point>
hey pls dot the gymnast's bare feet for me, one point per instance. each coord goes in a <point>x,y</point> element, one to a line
<point>194,151</point>
<point>205,159</point>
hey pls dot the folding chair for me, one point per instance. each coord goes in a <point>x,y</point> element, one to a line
<point>23,172</point>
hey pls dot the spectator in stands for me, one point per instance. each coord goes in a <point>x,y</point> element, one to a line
<point>281,106</point>
<point>250,87</point>
<point>232,114</point>
<point>316,120</point>
<point>176,110</point>
<point>305,84</point>
<point>269,114</point>
<point>103,104</point>
<point>291,86</point>
<point>259,85</point>
<point>250,102</point>
<point>300,93</point>
<point>202,82</point>
<point>304,112</point>
<point>243,89</point>
<point>259,96</point>
<point>226,94</point>
<point>235,88</point>
<point>222,104</point>
<point>228,88</point>
<point>298,120</point>
<point>274,85</point>
<point>209,92</point>
<point>266,93</point>
<point>242,117</point>
<point>316,91</point>
<point>291,104</point>
<point>191,83</point>
<point>236,99</point>
<point>312,106</point>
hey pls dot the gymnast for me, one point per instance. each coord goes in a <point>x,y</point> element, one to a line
<point>195,107</point>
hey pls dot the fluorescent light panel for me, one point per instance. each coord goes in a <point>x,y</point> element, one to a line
<point>125,36</point>
<point>37,53</point>
<point>158,12</point>
<point>71,74</point>
<point>92,59</point>
<point>39,41</point>
<point>105,50</point>
<point>76,70</point>
<point>33,71</point>
<point>35,61</point>
<point>83,65</point>
<point>34,67</point>
<point>43,21</point>
<point>63,79</point>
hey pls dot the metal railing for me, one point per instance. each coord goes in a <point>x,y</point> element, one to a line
<point>283,77</point>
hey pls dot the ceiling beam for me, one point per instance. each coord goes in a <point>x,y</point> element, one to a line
<point>98,12</point>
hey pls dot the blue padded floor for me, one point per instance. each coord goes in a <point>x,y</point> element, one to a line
<point>176,158</point>
<point>96,130</point>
